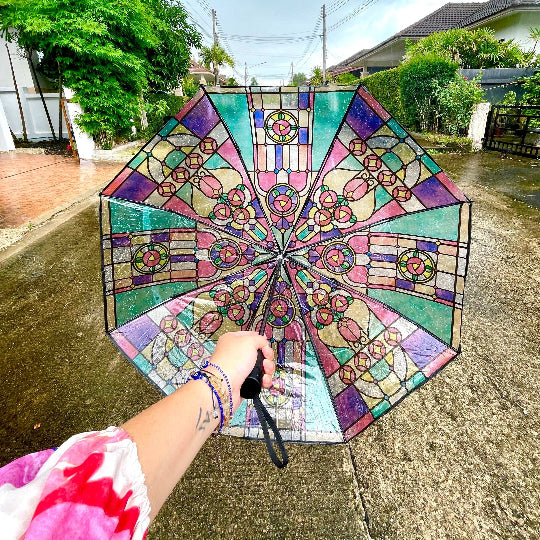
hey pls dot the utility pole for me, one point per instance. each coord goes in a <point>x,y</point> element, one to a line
<point>216,67</point>
<point>214,26</point>
<point>292,72</point>
<point>324,43</point>
<point>245,73</point>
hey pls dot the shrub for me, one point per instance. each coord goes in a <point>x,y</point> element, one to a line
<point>158,107</point>
<point>455,104</point>
<point>385,88</point>
<point>420,81</point>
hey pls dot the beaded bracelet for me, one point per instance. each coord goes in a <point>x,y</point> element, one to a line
<point>225,378</point>
<point>201,375</point>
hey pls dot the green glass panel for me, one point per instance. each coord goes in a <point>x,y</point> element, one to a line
<point>342,354</point>
<point>430,164</point>
<point>375,327</point>
<point>185,193</point>
<point>380,408</point>
<point>380,370</point>
<point>129,304</point>
<point>414,381</point>
<point>129,217</point>
<point>320,413</point>
<point>137,160</point>
<point>434,317</point>
<point>174,158</point>
<point>168,127</point>
<point>329,110</point>
<point>233,108</point>
<point>438,223</point>
<point>143,364</point>
<point>351,163</point>
<point>392,161</point>
<point>381,197</point>
<point>397,129</point>
<point>216,162</point>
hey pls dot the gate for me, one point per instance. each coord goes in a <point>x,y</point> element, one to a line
<point>514,129</point>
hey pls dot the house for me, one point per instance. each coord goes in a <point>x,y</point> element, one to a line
<point>510,19</point>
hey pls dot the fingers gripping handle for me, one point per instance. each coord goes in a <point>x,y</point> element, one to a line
<point>251,387</point>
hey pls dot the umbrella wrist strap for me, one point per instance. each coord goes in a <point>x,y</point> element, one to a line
<point>266,422</point>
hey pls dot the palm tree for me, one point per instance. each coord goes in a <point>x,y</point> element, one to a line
<point>215,56</point>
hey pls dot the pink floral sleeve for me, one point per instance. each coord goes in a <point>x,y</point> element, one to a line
<point>90,488</point>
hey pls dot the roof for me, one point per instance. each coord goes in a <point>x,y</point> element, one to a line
<point>493,7</point>
<point>343,66</point>
<point>445,18</point>
<point>194,67</point>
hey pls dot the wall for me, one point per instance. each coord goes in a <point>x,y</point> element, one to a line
<point>517,27</point>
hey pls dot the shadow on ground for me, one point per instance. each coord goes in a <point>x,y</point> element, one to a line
<point>459,458</point>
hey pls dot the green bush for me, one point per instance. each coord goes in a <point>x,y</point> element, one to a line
<point>158,107</point>
<point>420,81</point>
<point>455,104</point>
<point>385,88</point>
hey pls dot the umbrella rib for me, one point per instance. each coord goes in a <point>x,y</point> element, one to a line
<point>272,285</point>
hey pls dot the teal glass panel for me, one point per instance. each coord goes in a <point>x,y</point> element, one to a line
<point>438,223</point>
<point>380,409</point>
<point>430,164</point>
<point>129,217</point>
<point>168,127</point>
<point>143,364</point>
<point>329,110</point>
<point>342,354</point>
<point>375,327</point>
<point>392,161</point>
<point>216,162</point>
<point>397,129</point>
<point>416,380</point>
<point>233,108</point>
<point>320,413</point>
<point>434,317</point>
<point>137,160</point>
<point>129,304</point>
<point>174,158</point>
<point>351,163</point>
<point>380,370</point>
<point>382,197</point>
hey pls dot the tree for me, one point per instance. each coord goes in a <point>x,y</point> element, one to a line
<point>254,82</point>
<point>299,79</point>
<point>474,49</point>
<point>215,56</point>
<point>316,76</point>
<point>231,81</point>
<point>108,53</point>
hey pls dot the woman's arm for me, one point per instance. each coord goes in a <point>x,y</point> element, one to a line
<point>171,432</point>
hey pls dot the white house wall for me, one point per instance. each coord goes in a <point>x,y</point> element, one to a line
<point>516,26</point>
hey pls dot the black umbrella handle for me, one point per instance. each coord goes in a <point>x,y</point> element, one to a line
<point>251,387</point>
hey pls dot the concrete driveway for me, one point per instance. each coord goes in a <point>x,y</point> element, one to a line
<point>458,459</point>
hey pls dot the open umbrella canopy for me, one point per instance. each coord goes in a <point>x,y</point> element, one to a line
<point>312,202</point>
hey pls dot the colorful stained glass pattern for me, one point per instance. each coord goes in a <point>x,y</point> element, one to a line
<point>368,239</point>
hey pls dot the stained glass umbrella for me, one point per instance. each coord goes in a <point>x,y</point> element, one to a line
<point>371,237</point>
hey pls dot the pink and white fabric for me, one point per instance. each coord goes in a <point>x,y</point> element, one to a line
<point>90,488</point>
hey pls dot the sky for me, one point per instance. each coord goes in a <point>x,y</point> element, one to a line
<point>268,36</point>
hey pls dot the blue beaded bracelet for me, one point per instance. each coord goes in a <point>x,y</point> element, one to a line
<point>200,375</point>
<point>226,379</point>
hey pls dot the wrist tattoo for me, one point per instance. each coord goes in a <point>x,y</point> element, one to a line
<point>203,420</point>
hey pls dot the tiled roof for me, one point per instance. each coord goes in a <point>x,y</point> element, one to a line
<point>194,67</point>
<point>343,65</point>
<point>445,18</point>
<point>493,7</point>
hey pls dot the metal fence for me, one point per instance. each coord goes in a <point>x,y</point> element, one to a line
<point>514,129</point>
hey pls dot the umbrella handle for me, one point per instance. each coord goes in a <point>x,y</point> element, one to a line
<point>251,387</point>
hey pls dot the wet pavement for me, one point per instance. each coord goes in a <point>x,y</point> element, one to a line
<point>458,459</point>
<point>32,185</point>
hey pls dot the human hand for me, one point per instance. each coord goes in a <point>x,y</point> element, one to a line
<point>236,354</point>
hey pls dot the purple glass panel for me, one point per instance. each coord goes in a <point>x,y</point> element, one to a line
<point>259,118</point>
<point>135,187</point>
<point>350,406</point>
<point>201,119</point>
<point>426,246</point>
<point>403,284</point>
<point>433,193</point>
<point>160,237</point>
<point>362,118</point>
<point>422,348</point>
<point>140,332</point>
<point>120,242</point>
<point>303,100</point>
<point>303,136</point>
<point>279,156</point>
<point>385,257</point>
<point>142,280</point>
<point>444,294</point>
